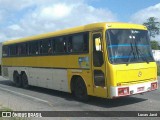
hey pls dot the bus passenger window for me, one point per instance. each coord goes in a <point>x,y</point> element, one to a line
<point>60,45</point>
<point>33,48</point>
<point>45,47</point>
<point>70,44</point>
<point>78,43</point>
<point>13,50</point>
<point>5,51</point>
<point>22,49</point>
<point>86,42</point>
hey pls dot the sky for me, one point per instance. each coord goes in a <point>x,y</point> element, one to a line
<point>21,18</point>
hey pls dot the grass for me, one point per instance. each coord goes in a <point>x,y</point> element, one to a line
<point>5,109</point>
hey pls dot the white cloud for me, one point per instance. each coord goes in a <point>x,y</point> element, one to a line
<point>2,37</point>
<point>15,27</point>
<point>13,5</point>
<point>141,16</point>
<point>49,16</point>
<point>57,11</point>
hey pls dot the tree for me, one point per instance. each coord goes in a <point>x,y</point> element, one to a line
<point>153,26</point>
<point>154,45</point>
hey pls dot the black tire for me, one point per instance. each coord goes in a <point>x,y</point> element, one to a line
<point>79,89</point>
<point>17,80</point>
<point>24,80</point>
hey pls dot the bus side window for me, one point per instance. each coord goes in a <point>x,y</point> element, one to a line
<point>78,43</point>
<point>45,47</point>
<point>33,48</point>
<point>53,45</point>
<point>69,44</point>
<point>5,51</point>
<point>13,50</point>
<point>60,45</point>
<point>86,42</point>
<point>22,49</point>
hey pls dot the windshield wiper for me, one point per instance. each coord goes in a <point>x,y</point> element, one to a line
<point>142,55</point>
<point>139,52</point>
<point>132,52</point>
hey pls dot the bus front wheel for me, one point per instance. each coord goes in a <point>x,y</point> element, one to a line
<point>24,80</point>
<point>79,89</point>
<point>17,80</point>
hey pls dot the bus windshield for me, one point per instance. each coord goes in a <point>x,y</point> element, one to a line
<point>128,46</point>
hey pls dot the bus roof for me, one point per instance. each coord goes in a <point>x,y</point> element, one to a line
<point>89,27</point>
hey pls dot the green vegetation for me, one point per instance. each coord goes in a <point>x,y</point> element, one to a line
<point>153,26</point>
<point>5,109</point>
<point>155,45</point>
<point>158,70</point>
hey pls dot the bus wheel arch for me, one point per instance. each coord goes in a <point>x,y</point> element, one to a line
<point>16,79</point>
<point>78,88</point>
<point>24,79</point>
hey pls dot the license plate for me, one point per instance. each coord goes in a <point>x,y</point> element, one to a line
<point>140,89</point>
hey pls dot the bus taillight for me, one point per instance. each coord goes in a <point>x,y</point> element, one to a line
<point>154,86</point>
<point>123,91</point>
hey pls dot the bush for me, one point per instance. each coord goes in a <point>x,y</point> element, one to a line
<point>158,70</point>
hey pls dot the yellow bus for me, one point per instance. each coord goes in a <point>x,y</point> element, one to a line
<point>107,60</point>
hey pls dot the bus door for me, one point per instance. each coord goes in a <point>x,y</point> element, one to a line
<point>99,86</point>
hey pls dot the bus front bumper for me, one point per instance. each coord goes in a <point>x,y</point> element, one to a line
<point>120,91</point>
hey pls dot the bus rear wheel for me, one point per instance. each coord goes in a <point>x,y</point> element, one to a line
<point>24,80</point>
<point>79,89</point>
<point>17,80</point>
